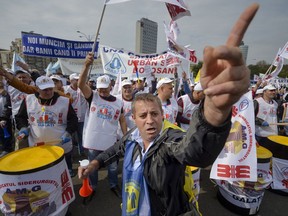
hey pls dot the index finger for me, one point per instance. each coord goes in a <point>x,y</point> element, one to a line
<point>237,33</point>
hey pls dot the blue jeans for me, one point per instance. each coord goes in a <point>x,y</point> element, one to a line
<point>112,171</point>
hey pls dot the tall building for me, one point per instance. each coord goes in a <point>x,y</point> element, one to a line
<point>146,36</point>
<point>244,49</point>
<point>5,58</point>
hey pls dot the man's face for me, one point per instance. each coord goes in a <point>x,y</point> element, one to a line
<point>46,93</point>
<point>58,84</point>
<point>25,78</point>
<point>198,95</point>
<point>74,83</point>
<point>127,91</point>
<point>270,94</point>
<point>167,90</point>
<point>104,92</point>
<point>148,118</point>
<point>140,84</point>
<point>91,84</point>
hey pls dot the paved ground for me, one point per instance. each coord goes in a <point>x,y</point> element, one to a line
<point>105,203</point>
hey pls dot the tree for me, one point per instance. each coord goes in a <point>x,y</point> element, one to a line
<point>195,68</point>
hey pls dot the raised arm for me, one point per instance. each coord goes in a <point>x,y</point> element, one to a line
<point>13,81</point>
<point>224,76</point>
<point>82,84</point>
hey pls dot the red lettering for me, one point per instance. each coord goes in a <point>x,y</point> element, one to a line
<point>232,171</point>
<point>67,192</point>
<point>285,183</point>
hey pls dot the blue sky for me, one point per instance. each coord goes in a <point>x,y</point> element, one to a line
<point>209,24</point>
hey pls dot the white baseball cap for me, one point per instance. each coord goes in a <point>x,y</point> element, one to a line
<point>269,87</point>
<point>57,77</point>
<point>136,79</point>
<point>74,76</point>
<point>44,82</point>
<point>259,91</point>
<point>162,81</point>
<point>126,82</point>
<point>103,81</point>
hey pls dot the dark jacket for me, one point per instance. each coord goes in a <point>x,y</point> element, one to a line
<point>164,168</point>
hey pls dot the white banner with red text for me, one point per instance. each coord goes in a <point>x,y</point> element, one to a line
<point>238,159</point>
<point>160,64</point>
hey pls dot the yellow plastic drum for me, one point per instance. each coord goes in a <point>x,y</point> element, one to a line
<point>35,181</point>
<point>278,145</point>
<point>242,197</point>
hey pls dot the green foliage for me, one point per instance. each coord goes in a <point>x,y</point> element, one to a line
<point>262,67</point>
<point>259,67</point>
<point>195,68</point>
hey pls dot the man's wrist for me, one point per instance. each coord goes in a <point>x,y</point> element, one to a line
<point>94,164</point>
<point>213,115</point>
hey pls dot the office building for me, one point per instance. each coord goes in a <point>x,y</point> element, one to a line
<point>244,50</point>
<point>146,36</point>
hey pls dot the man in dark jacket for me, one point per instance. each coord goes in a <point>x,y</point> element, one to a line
<point>156,154</point>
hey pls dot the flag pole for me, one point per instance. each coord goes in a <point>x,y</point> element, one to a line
<point>96,37</point>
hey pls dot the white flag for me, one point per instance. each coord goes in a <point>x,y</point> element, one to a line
<point>56,66</point>
<point>179,3</point>
<point>14,66</point>
<point>279,66</point>
<point>174,29</point>
<point>117,89</point>
<point>177,12</point>
<point>278,63</point>
<point>48,69</point>
<point>172,32</point>
<point>284,51</point>
<point>238,159</point>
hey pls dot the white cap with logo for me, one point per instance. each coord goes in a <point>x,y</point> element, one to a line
<point>103,81</point>
<point>44,82</point>
<point>162,81</point>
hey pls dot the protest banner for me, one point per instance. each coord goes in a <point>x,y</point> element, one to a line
<point>160,64</point>
<point>38,45</point>
<point>69,66</point>
<point>238,160</point>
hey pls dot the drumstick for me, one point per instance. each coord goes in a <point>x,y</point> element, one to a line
<point>280,123</point>
<point>51,142</point>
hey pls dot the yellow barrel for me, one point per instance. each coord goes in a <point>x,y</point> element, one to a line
<point>263,155</point>
<point>29,160</point>
<point>35,180</point>
<point>243,197</point>
<point>278,145</point>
